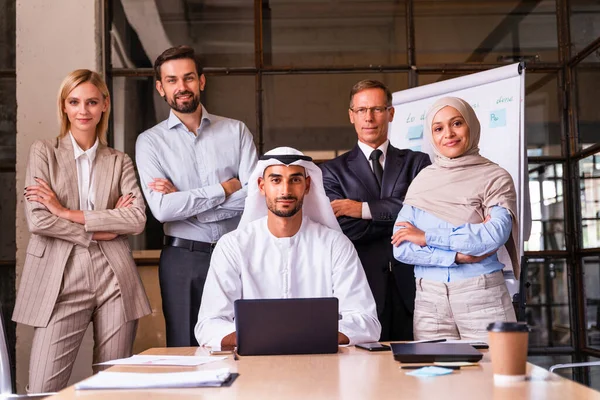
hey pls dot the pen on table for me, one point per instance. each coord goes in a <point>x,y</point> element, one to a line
<point>429,341</point>
<point>235,354</point>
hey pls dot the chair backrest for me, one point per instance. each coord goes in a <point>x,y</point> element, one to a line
<point>511,284</point>
<point>517,289</point>
<point>5,376</point>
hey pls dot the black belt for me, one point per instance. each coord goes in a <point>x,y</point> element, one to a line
<point>191,245</point>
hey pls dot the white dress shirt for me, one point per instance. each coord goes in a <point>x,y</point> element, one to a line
<point>251,263</point>
<point>367,150</point>
<point>85,173</point>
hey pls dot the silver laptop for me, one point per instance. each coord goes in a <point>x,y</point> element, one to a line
<point>287,326</point>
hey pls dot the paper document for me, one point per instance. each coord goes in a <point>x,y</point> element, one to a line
<point>456,364</point>
<point>430,371</point>
<point>163,360</point>
<point>135,380</point>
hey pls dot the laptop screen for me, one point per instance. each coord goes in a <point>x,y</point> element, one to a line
<point>287,326</point>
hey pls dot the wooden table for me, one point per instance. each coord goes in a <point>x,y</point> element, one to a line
<point>350,374</point>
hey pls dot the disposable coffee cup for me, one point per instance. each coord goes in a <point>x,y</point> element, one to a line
<point>508,349</point>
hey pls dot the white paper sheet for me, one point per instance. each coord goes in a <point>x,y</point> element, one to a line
<point>163,360</point>
<point>135,380</point>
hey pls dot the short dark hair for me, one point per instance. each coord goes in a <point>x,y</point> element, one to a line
<point>371,84</point>
<point>176,53</point>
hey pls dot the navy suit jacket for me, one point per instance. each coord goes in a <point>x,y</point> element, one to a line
<point>350,176</point>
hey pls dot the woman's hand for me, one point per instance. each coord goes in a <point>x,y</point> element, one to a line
<point>125,201</point>
<point>409,233</point>
<point>466,259</point>
<point>43,193</point>
<point>101,236</point>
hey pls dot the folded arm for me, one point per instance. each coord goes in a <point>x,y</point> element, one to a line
<point>356,227</point>
<point>474,239</point>
<point>414,254</point>
<point>129,220</point>
<point>39,219</point>
<point>232,207</point>
<point>174,206</point>
<point>234,204</point>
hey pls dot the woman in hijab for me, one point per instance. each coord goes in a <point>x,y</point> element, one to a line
<point>457,214</point>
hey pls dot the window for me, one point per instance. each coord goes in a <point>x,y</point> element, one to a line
<point>591,269</point>
<point>547,310</point>
<point>476,31</point>
<point>589,182</point>
<point>547,207</point>
<point>584,24</point>
<point>588,86</point>
<point>316,33</point>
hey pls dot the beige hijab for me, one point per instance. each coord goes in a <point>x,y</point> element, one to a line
<point>462,189</point>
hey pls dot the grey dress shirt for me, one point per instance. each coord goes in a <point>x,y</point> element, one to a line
<point>196,165</point>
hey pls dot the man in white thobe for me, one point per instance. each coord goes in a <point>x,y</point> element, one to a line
<point>288,245</point>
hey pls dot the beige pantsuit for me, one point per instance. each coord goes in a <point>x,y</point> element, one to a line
<point>461,309</point>
<point>69,281</point>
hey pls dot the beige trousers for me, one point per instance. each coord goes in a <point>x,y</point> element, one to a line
<point>461,309</point>
<point>89,293</point>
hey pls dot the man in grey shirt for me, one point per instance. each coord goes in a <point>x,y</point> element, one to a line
<point>193,170</point>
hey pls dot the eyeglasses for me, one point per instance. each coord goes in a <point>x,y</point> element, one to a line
<point>375,110</point>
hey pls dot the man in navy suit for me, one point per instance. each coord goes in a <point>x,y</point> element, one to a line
<point>366,187</point>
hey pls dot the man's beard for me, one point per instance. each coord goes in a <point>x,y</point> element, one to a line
<point>187,107</point>
<point>272,206</point>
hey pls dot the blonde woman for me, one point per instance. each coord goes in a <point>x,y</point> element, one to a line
<point>81,202</point>
<point>457,213</point>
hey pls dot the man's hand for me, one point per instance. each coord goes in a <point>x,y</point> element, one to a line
<point>231,186</point>
<point>343,339</point>
<point>409,233</point>
<point>465,259</point>
<point>43,193</point>
<point>162,185</point>
<point>347,208</point>
<point>101,236</point>
<point>229,341</point>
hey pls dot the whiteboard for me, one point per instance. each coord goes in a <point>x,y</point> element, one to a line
<point>498,98</point>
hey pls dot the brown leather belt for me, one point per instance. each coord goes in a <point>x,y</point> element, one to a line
<point>191,245</point>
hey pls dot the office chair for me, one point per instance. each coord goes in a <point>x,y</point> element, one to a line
<point>5,376</point>
<point>6,391</point>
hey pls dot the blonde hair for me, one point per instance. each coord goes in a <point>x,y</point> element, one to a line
<point>73,80</point>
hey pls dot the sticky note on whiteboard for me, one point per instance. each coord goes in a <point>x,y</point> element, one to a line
<point>498,118</point>
<point>415,132</point>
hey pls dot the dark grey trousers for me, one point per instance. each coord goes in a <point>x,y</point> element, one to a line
<point>182,274</point>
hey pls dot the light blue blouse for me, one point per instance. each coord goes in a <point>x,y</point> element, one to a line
<point>436,261</point>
